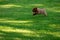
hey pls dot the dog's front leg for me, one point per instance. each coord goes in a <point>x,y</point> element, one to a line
<point>34,13</point>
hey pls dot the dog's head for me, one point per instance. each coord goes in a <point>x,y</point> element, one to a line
<point>35,11</point>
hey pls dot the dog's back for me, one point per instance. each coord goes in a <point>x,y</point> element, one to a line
<point>40,10</point>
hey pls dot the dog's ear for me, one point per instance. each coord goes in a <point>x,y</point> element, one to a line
<point>34,9</point>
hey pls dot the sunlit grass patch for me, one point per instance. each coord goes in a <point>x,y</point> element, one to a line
<point>10,6</point>
<point>33,5</point>
<point>37,5</point>
<point>14,21</point>
<point>54,25</point>
<point>17,39</point>
<point>23,31</point>
<point>29,32</point>
<point>11,29</point>
<point>54,9</point>
<point>17,22</point>
<point>57,34</point>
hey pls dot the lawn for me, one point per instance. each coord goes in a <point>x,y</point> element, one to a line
<point>18,23</point>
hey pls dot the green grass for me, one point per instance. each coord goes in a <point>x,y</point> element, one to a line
<point>18,23</point>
